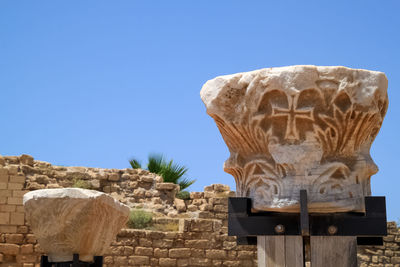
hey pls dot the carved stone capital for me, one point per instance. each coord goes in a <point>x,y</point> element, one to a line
<point>73,220</point>
<point>300,127</point>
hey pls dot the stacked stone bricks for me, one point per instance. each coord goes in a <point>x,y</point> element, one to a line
<point>202,238</point>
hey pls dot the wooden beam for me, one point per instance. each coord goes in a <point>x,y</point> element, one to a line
<point>333,251</point>
<point>280,251</point>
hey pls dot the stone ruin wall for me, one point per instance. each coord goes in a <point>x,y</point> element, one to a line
<point>202,238</point>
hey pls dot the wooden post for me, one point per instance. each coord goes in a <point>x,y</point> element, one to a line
<point>280,251</point>
<point>333,251</point>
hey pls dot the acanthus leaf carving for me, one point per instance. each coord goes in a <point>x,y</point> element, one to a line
<point>300,127</point>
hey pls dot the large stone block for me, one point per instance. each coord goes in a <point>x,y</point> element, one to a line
<point>300,127</point>
<point>74,220</point>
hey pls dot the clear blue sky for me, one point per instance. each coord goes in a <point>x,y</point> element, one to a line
<point>92,83</point>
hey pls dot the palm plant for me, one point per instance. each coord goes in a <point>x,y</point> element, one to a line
<point>135,164</point>
<point>168,170</point>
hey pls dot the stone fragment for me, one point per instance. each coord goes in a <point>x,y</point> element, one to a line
<point>196,195</point>
<point>41,179</point>
<point>180,205</point>
<point>300,127</point>
<point>74,220</point>
<point>167,186</point>
<point>26,159</point>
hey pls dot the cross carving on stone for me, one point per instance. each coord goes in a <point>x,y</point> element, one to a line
<point>292,113</point>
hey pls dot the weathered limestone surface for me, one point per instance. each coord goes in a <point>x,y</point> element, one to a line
<point>300,127</point>
<point>74,220</point>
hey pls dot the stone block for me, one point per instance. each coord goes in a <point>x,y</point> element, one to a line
<point>108,260</point>
<point>19,208</point>
<point>128,250</point>
<point>8,229</point>
<point>144,251</point>
<point>15,186</point>
<point>26,159</point>
<point>5,193</point>
<point>114,177</point>
<point>7,208</point>
<point>221,187</point>
<point>201,243</point>
<point>14,238</point>
<point>138,260</point>
<point>167,186</point>
<point>17,218</point>
<point>220,208</point>
<point>3,177</point>
<point>162,243</point>
<point>180,205</point>
<point>71,212</point>
<point>144,242</point>
<point>12,169</point>
<point>121,260</point>
<point>199,262</point>
<point>179,253</point>
<point>232,264</point>
<point>245,255</point>
<point>217,225</point>
<point>27,249</point>
<point>166,262</point>
<point>215,254</point>
<point>30,238</point>
<point>19,193</point>
<point>196,195</point>
<point>153,262</point>
<point>22,229</point>
<point>3,172</point>
<point>160,253</point>
<point>26,258</point>
<point>9,249</point>
<point>201,225</point>
<point>182,262</point>
<point>4,218</point>
<point>192,208</point>
<point>14,200</point>
<point>17,179</point>
<point>209,194</point>
<point>3,185</point>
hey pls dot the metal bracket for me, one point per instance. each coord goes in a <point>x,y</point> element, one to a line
<point>369,227</point>
<point>98,262</point>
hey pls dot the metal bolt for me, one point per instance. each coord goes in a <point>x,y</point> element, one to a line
<point>332,230</point>
<point>279,229</point>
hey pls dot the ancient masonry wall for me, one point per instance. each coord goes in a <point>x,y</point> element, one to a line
<point>202,238</point>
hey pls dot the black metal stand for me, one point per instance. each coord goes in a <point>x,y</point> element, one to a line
<point>98,262</point>
<point>368,227</point>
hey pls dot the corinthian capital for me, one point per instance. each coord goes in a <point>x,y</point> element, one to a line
<point>300,127</point>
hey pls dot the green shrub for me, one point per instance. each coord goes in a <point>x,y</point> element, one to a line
<point>140,219</point>
<point>183,195</point>
<point>78,183</point>
<point>168,170</point>
<point>135,164</point>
